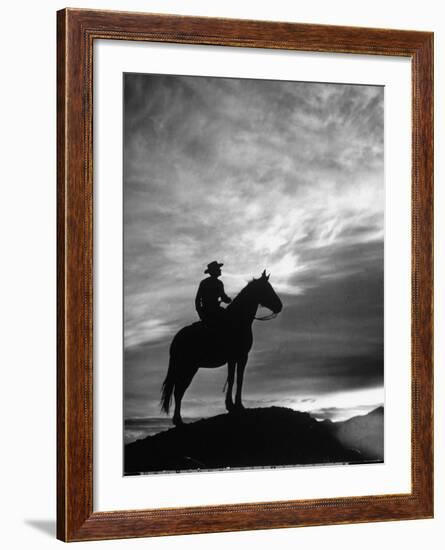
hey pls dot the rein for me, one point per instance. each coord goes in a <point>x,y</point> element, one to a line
<point>266,317</point>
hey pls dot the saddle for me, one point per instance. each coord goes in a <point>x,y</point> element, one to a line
<point>213,337</point>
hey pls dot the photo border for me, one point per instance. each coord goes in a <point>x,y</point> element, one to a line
<point>76,32</point>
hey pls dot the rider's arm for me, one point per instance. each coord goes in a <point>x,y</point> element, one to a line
<point>198,304</point>
<point>223,295</point>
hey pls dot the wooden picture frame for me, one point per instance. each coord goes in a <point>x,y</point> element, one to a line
<point>77,31</point>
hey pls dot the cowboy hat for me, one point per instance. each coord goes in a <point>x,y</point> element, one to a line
<point>213,266</point>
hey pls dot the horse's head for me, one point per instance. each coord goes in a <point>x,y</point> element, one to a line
<point>266,295</point>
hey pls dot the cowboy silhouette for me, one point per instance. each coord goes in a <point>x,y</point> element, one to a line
<point>210,295</point>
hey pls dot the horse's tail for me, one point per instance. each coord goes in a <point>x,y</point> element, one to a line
<point>168,387</point>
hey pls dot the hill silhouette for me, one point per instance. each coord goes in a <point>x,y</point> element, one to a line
<point>364,433</point>
<point>272,436</point>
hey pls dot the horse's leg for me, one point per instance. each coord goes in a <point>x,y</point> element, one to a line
<point>241,365</point>
<point>177,420</point>
<point>180,386</point>
<point>230,378</point>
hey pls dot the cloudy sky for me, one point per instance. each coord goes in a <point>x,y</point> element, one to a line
<point>286,176</point>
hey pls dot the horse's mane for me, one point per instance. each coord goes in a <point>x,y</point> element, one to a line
<point>241,294</point>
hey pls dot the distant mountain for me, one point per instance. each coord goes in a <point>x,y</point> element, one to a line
<point>273,436</point>
<point>363,433</point>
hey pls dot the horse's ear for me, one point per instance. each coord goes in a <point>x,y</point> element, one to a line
<point>267,277</point>
<point>263,274</point>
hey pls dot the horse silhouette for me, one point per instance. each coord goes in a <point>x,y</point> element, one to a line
<point>199,346</point>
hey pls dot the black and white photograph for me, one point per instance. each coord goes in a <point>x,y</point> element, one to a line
<point>223,271</point>
<point>253,271</point>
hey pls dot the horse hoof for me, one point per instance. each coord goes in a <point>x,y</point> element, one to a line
<point>230,407</point>
<point>178,422</point>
